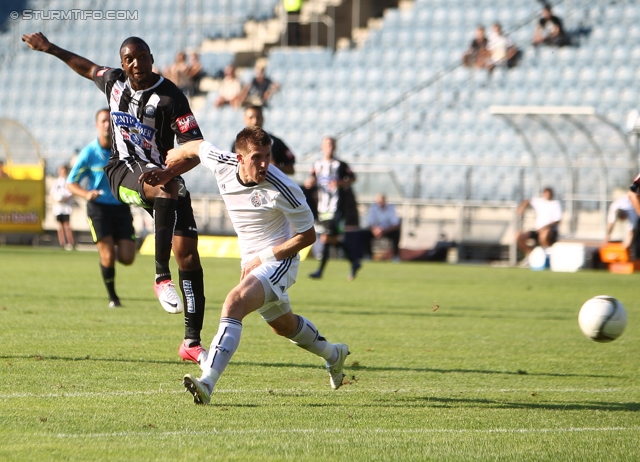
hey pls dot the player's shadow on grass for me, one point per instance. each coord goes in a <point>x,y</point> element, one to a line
<point>466,312</point>
<point>477,371</point>
<point>353,368</point>
<point>99,299</point>
<point>478,402</point>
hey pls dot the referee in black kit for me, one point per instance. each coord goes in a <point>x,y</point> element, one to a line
<point>147,113</point>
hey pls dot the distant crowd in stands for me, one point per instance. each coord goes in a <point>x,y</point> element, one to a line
<point>498,50</point>
<point>255,93</point>
<point>187,74</point>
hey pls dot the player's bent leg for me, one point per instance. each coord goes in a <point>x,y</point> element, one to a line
<point>108,270</point>
<point>284,325</point>
<point>309,338</point>
<point>191,280</point>
<point>223,346</point>
<point>125,251</point>
<point>106,251</point>
<point>306,336</point>
<point>246,297</point>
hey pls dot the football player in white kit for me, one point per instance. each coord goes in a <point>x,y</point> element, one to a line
<point>263,205</point>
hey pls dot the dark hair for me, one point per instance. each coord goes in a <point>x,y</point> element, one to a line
<point>134,41</point>
<point>255,108</point>
<point>251,136</point>
<point>104,109</point>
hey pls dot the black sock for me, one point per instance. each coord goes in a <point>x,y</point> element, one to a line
<point>109,278</point>
<point>326,252</point>
<point>192,287</point>
<point>349,254</point>
<point>164,221</point>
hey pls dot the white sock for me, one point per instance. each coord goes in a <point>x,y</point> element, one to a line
<point>308,338</point>
<point>222,348</point>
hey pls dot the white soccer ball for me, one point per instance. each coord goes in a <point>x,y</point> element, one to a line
<point>602,318</point>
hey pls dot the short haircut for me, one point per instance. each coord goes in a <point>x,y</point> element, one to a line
<point>251,136</point>
<point>550,189</point>
<point>134,41</point>
<point>104,109</point>
<point>255,108</point>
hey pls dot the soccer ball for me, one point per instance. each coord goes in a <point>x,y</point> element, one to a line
<point>602,318</point>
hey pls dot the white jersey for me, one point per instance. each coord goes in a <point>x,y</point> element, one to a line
<point>62,197</point>
<point>624,204</point>
<point>263,214</point>
<point>547,211</point>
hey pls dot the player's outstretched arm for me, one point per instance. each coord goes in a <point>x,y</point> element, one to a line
<point>178,161</point>
<point>183,158</point>
<point>80,65</point>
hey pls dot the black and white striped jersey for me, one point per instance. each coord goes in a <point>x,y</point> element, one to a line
<point>262,214</point>
<point>327,174</point>
<point>145,123</point>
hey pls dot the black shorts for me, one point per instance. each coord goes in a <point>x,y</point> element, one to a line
<point>331,227</point>
<point>64,218</point>
<point>553,236</point>
<point>110,220</point>
<point>349,207</point>
<point>123,180</point>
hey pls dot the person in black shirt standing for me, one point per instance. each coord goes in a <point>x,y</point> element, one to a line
<point>550,30</point>
<point>281,155</point>
<point>147,113</point>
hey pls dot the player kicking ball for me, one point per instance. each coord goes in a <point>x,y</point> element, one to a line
<point>263,205</point>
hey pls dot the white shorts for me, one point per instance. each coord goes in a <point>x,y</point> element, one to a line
<point>276,278</point>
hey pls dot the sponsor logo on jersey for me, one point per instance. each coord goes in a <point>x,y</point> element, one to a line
<point>101,72</point>
<point>132,130</point>
<point>186,122</point>
<point>257,199</point>
<point>115,95</point>
<point>149,111</point>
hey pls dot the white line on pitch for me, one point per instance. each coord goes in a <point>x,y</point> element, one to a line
<point>339,430</point>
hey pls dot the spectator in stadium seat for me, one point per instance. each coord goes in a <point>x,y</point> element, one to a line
<point>501,49</point>
<point>622,210</point>
<point>195,73</point>
<point>338,219</point>
<point>382,222</point>
<point>259,90</point>
<point>178,72</point>
<point>550,30</point>
<point>477,54</point>
<point>548,215</point>
<point>281,155</point>
<point>62,207</point>
<point>230,89</point>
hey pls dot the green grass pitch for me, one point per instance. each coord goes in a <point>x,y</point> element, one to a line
<point>499,371</point>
